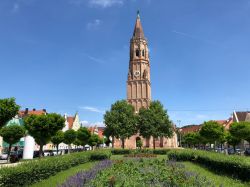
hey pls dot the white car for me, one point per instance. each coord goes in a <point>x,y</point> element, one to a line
<point>4,156</point>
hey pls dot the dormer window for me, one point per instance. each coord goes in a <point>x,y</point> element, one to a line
<point>137,52</point>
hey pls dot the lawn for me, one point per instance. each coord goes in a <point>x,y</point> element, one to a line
<point>60,177</point>
<point>219,180</point>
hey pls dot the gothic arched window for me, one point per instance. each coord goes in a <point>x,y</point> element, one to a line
<point>137,52</point>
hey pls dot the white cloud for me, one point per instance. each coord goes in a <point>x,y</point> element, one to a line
<point>94,24</point>
<point>105,3</point>
<point>94,59</point>
<point>92,109</point>
<point>88,124</point>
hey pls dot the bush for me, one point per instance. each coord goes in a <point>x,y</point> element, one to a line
<point>120,151</point>
<point>161,151</point>
<point>33,171</point>
<point>100,155</point>
<point>235,166</point>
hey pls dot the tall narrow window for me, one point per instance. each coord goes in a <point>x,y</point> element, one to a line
<point>137,52</point>
<point>143,53</point>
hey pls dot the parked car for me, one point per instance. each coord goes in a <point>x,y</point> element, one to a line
<point>18,153</point>
<point>4,156</point>
<point>230,151</point>
<point>219,150</point>
<point>247,152</point>
<point>36,154</point>
<point>48,153</point>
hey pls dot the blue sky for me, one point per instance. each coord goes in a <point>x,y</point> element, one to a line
<point>72,55</point>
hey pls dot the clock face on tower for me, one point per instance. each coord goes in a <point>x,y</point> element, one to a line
<point>137,73</point>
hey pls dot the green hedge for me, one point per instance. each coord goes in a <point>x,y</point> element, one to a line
<point>33,171</point>
<point>149,151</point>
<point>235,166</point>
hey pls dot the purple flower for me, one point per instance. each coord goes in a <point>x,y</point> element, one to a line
<point>83,177</point>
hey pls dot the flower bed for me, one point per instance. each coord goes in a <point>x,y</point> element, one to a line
<point>84,177</point>
<point>235,166</point>
<point>147,172</point>
<point>141,155</point>
<point>130,151</point>
<point>33,171</point>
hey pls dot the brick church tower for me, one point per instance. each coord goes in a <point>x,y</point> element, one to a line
<point>138,83</point>
<point>139,87</point>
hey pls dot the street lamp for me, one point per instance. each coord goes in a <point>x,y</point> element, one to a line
<point>179,122</point>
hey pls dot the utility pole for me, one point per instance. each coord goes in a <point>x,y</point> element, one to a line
<point>179,122</point>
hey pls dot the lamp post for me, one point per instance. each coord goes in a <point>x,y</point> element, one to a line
<point>179,122</point>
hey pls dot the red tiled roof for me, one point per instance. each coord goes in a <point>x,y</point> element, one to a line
<point>190,128</point>
<point>70,121</point>
<point>23,113</point>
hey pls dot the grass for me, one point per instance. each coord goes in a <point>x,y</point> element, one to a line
<point>218,180</point>
<point>60,177</point>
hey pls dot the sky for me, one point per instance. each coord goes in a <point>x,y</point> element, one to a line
<point>72,56</point>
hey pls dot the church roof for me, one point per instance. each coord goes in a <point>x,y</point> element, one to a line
<point>70,120</point>
<point>138,31</point>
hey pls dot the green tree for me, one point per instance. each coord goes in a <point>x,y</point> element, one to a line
<point>190,139</point>
<point>57,139</point>
<point>240,130</point>
<point>12,134</point>
<point>108,134</point>
<point>93,140</point>
<point>69,137</point>
<point>83,135</point>
<point>154,122</point>
<point>212,132</point>
<point>232,140</point>
<point>8,110</point>
<point>120,121</point>
<point>43,127</point>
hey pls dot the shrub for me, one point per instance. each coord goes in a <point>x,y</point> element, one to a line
<point>161,151</point>
<point>100,155</point>
<point>235,166</point>
<point>120,151</point>
<point>33,171</point>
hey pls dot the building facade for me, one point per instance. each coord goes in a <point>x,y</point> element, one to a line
<point>139,86</point>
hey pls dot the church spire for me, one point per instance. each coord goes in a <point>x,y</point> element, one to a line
<point>138,31</point>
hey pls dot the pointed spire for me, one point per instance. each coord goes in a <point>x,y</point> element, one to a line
<point>138,31</point>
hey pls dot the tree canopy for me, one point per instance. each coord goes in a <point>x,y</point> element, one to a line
<point>94,140</point>
<point>12,134</point>
<point>8,110</point>
<point>121,121</point>
<point>240,130</point>
<point>154,122</point>
<point>57,139</point>
<point>83,135</point>
<point>69,136</point>
<point>43,127</point>
<point>212,131</point>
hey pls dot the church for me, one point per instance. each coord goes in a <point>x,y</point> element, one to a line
<point>139,87</point>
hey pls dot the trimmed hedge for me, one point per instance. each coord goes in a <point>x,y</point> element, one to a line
<point>33,171</point>
<point>235,166</point>
<point>149,151</point>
